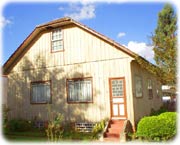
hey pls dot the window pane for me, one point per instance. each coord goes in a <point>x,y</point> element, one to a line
<point>81,89</point>
<point>138,86</point>
<point>57,40</point>
<point>117,88</point>
<point>57,45</point>
<point>71,91</point>
<point>57,34</point>
<point>149,84</point>
<point>150,89</point>
<point>41,93</point>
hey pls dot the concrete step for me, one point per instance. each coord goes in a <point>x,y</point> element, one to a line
<point>114,130</point>
<point>112,135</point>
<point>117,126</point>
<point>117,121</point>
<point>111,139</point>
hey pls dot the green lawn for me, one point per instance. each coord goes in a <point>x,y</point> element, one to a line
<point>40,136</point>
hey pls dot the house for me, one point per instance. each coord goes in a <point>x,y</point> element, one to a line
<point>81,73</point>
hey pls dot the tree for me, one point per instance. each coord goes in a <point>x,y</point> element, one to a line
<point>165,47</point>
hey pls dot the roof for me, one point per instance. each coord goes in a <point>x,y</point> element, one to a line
<point>22,49</point>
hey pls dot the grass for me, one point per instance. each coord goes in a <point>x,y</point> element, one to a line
<point>36,135</point>
<point>77,136</point>
<point>18,138</point>
<point>31,136</point>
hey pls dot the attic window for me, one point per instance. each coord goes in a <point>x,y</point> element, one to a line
<point>57,40</point>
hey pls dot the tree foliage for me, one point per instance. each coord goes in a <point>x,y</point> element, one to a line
<point>165,47</point>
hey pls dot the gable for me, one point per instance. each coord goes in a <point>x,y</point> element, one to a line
<point>81,44</point>
<point>79,47</point>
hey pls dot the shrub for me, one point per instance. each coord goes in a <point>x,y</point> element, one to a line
<point>18,125</point>
<point>5,112</point>
<point>98,128</point>
<point>54,129</point>
<point>161,127</point>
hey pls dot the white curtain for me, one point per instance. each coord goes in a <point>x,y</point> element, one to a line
<point>41,93</point>
<point>80,91</point>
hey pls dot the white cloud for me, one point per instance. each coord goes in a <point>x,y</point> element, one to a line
<point>142,49</point>
<point>121,34</point>
<point>4,21</point>
<point>61,8</point>
<point>80,11</point>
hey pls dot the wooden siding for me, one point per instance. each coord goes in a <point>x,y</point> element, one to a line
<point>143,105</point>
<point>100,71</point>
<point>79,47</point>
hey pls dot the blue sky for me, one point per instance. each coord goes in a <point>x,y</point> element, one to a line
<point>129,24</point>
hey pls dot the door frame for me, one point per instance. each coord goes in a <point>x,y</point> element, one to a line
<point>110,94</point>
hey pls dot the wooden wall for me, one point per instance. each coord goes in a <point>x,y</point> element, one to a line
<point>143,105</point>
<point>79,47</point>
<point>99,71</point>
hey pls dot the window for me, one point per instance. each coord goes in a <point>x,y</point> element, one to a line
<point>138,86</point>
<point>117,88</point>
<point>79,90</point>
<point>150,89</point>
<point>40,92</point>
<point>57,40</point>
<point>158,89</point>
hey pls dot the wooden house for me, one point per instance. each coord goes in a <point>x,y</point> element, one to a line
<point>81,73</point>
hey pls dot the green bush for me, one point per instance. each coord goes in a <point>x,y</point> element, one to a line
<point>98,128</point>
<point>18,125</point>
<point>161,127</point>
<point>54,129</point>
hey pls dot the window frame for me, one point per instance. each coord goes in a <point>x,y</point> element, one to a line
<point>40,82</point>
<point>62,39</point>
<point>150,90</point>
<point>141,83</point>
<point>79,79</point>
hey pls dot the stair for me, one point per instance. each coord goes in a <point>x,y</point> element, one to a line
<point>113,131</point>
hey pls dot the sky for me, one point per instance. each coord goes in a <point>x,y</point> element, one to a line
<point>130,24</point>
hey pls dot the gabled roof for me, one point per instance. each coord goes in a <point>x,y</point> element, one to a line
<point>22,49</point>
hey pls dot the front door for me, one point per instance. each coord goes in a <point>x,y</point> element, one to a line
<point>118,98</point>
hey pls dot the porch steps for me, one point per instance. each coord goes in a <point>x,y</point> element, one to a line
<point>113,131</point>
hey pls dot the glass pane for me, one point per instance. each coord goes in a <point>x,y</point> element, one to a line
<point>57,45</point>
<point>41,93</point>
<point>82,91</point>
<point>121,109</point>
<point>115,109</point>
<point>57,34</point>
<point>138,85</point>
<point>149,84</point>
<point>117,88</point>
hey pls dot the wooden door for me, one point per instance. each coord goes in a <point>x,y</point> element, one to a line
<point>118,98</point>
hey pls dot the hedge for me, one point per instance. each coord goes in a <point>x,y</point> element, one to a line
<point>18,125</point>
<point>161,127</point>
